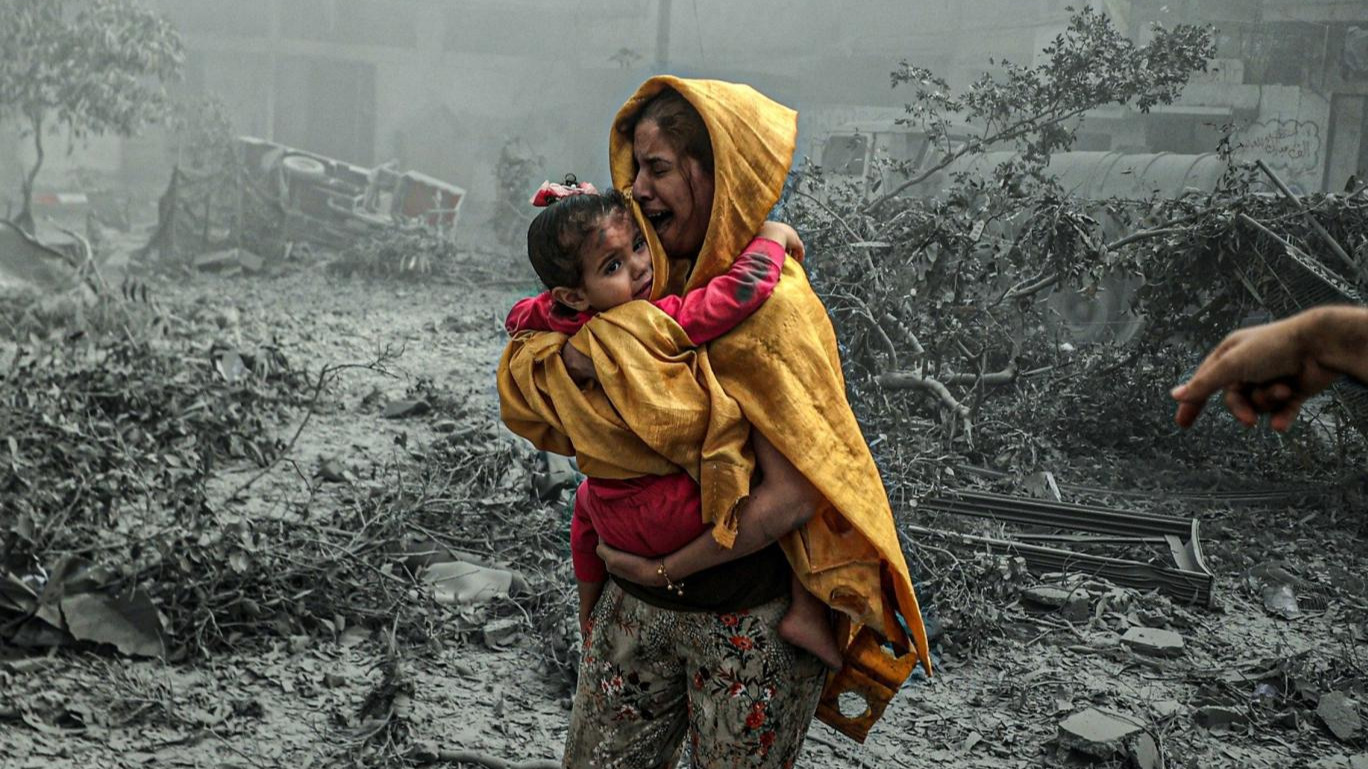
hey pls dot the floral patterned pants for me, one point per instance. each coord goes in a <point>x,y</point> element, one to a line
<point>649,677</point>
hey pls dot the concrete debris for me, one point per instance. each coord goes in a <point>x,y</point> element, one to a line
<point>1278,587</point>
<point>1145,753</point>
<point>1074,604</point>
<point>560,474</point>
<point>333,470</point>
<point>1152,617</point>
<point>1098,733</point>
<point>1341,716</point>
<point>1153,641</point>
<point>1042,485</point>
<point>1341,762</point>
<point>229,261</point>
<point>501,633</point>
<point>1165,709</point>
<point>1281,601</point>
<point>462,583</point>
<point>1219,718</point>
<point>406,408</point>
<point>1286,719</point>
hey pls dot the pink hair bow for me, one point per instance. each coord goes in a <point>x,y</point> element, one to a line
<point>550,192</point>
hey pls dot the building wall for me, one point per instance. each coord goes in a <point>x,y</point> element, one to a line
<point>442,85</point>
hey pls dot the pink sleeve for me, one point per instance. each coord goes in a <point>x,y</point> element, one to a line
<point>720,306</point>
<point>584,543</point>
<point>539,313</point>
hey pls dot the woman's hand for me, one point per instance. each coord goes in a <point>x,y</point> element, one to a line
<point>578,365</point>
<point>633,568</point>
<point>785,236</point>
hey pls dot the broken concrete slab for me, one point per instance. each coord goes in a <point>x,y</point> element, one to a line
<point>560,474</point>
<point>1145,753</point>
<point>1156,642</point>
<point>1219,718</point>
<point>1341,716</point>
<point>405,408</point>
<point>500,633</point>
<point>1165,709</point>
<point>1042,485</point>
<point>1052,596</point>
<point>1099,733</point>
<point>229,261</point>
<point>1074,605</point>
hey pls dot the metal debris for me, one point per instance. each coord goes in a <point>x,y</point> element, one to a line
<point>1189,580</point>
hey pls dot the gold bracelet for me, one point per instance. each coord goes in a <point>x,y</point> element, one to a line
<point>677,589</point>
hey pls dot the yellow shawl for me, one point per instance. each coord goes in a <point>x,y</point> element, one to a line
<point>683,408</point>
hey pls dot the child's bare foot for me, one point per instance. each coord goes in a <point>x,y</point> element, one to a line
<point>811,630</point>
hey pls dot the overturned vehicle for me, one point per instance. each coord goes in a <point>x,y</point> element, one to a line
<point>272,198</point>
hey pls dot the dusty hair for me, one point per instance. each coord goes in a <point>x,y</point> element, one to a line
<point>556,236</point>
<point>680,124</point>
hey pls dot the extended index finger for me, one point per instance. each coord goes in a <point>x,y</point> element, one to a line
<point>1187,413</point>
<point>1214,374</point>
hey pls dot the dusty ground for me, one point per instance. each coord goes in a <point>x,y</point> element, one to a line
<point>284,702</point>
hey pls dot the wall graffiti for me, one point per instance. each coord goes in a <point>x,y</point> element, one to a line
<point>1294,145</point>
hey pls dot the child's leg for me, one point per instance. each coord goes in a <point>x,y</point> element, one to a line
<point>807,626</point>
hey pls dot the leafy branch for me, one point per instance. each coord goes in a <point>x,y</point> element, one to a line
<point>1089,65</point>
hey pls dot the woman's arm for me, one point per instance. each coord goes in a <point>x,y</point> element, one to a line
<point>578,365</point>
<point>782,502</point>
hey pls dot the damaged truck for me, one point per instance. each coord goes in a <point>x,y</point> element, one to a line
<point>271,199</point>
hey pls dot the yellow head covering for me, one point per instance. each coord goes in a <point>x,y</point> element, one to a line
<point>753,140</point>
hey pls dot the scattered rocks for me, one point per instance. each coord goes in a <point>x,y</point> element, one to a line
<point>1155,642</point>
<point>1341,716</point>
<point>333,470</point>
<point>446,426</point>
<point>1341,762</point>
<point>1098,733</point>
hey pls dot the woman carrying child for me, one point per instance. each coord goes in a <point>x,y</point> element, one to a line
<point>707,161</point>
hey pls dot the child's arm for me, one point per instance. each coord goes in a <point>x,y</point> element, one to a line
<point>539,313</point>
<point>733,296</point>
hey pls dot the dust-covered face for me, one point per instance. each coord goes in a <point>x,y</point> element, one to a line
<point>674,191</point>
<point>616,265</point>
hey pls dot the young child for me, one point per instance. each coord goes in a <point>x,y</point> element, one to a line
<point>588,250</point>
